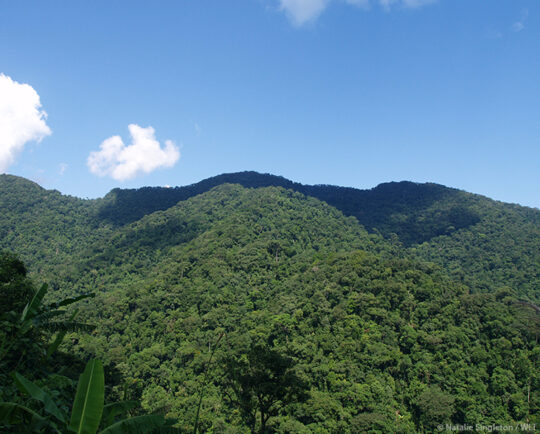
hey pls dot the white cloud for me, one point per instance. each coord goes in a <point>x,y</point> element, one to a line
<point>21,119</point>
<point>416,3</point>
<point>144,155</point>
<point>62,168</point>
<point>303,11</point>
<point>518,26</point>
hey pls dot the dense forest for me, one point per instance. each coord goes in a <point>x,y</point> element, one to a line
<point>250,303</point>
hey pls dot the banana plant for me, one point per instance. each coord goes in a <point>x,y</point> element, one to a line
<point>39,318</point>
<point>35,314</point>
<point>88,405</point>
<point>88,412</point>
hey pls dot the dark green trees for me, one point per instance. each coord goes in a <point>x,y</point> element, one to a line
<point>433,407</point>
<point>260,383</point>
<point>15,289</point>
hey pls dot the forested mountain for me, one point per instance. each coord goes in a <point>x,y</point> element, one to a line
<point>416,212</point>
<point>251,303</point>
<point>484,243</point>
<point>44,227</point>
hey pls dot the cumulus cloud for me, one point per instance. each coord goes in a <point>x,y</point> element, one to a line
<point>21,119</point>
<point>143,155</point>
<point>304,11</point>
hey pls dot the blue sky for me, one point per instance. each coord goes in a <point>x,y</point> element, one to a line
<point>345,92</point>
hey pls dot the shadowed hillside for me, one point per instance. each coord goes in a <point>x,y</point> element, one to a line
<point>484,243</point>
<point>408,209</point>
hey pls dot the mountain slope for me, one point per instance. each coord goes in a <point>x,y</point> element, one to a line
<point>377,338</point>
<point>372,334</point>
<point>283,222</point>
<point>501,250</point>
<point>485,243</point>
<point>44,227</point>
<point>413,211</point>
<point>481,242</point>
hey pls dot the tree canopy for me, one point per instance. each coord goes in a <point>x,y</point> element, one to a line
<point>268,310</point>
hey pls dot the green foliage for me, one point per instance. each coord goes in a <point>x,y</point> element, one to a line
<point>137,425</point>
<point>485,244</point>
<point>261,383</point>
<point>379,339</point>
<point>25,337</point>
<point>16,415</point>
<point>88,404</point>
<point>500,251</point>
<point>39,394</point>
<point>30,327</point>
<point>114,409</point>
<point>15,288</point>
<point>86,413</point>
<point>434,407</point>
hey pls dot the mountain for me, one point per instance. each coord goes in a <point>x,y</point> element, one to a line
<point>415,212</point>
<point>44,227</point>
<point>481,242</point>
<point>373,331</point>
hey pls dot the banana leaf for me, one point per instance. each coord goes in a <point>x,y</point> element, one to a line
<point>32,307</point>
<point>12,413</point>
<point>26,386</point>
<point>88,404</point>
<point>110,411</point>
<point>59,337</point>
<point>69,301</point>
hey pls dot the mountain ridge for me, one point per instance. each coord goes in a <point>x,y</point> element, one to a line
<point>479,241</point>
<point>271,180</point>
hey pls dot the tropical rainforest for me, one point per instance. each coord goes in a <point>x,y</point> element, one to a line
<point>251,303</point>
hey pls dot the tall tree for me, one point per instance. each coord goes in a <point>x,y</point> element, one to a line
<point>261,383</point>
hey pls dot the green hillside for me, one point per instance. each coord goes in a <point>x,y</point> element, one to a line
<point>484,243</point>
<point>501,250</point>
<point>44,227</point>
<point>371,333</point>
<point>415,212</point>
<point>312,323</point>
